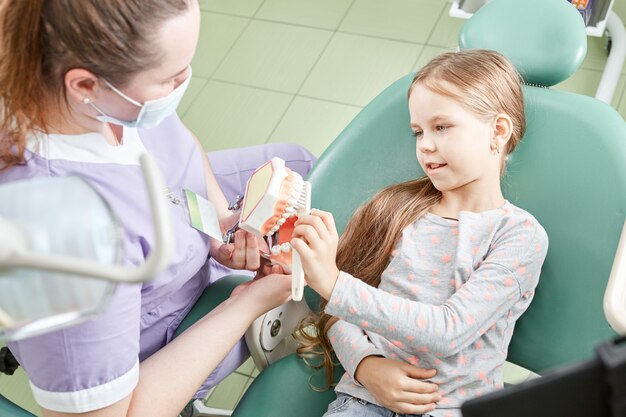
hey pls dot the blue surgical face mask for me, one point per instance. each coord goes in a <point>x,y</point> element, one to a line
<point>152,112</point>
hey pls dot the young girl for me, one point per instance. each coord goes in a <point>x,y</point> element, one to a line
<point>86,86</point>
<point>433,272</point>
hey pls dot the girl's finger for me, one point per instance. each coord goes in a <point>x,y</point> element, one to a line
<point>301,247</point>
<point>319,225</point>
<point>419,399</point>
<point>421,387</point>
<point>309,234</point>
<point>328,220</point>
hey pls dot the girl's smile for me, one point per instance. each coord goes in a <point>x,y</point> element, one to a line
<point>432,168</point>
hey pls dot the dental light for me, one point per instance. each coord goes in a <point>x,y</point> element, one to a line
<point>60,248</point>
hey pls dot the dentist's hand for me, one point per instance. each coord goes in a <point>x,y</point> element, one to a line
<point>315,239</point>
<point>243,253</point>
<point>270,288</point>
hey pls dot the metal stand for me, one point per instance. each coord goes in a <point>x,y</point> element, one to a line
<point>615,61</point>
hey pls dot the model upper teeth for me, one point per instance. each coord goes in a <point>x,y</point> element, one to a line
<point>294,203</point>
<point>272,231</point>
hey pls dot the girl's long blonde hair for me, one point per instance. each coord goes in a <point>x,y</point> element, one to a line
<point>486,84</point>
<point>40,40</point>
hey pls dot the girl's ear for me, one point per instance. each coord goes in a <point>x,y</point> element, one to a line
<point>502,129</point>
<point>82,84</point>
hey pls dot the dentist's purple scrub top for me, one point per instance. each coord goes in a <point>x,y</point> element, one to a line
<point>96,363</point>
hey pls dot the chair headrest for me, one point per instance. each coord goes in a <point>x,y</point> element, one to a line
<point>545,39</point>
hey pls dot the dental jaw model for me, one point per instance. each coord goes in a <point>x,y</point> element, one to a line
<point>275,197</point>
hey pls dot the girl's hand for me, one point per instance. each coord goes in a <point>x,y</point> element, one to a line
<point>315,239</point>
<point>243,253</point>
<point>397,385</point>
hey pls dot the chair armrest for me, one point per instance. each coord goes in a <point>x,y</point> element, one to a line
<point>8,409</point>
<point>284,390</point>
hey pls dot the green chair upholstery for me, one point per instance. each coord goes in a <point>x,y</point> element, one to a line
<point>8,409</point>
<point>545,40</point>
<point>286,388</point>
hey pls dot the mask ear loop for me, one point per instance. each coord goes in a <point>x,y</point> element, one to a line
<point>124,96</point>
<point>87,100</point>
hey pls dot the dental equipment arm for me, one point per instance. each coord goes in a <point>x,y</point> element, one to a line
<point>15,254</point>
<point>59,265</point>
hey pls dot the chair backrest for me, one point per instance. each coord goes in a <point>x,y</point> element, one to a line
<point>569,171</point>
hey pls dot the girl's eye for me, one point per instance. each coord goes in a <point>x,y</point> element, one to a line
<point>442,128</point>
<point>418,133</point>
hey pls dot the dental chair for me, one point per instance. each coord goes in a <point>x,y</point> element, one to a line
<point>569,171</point>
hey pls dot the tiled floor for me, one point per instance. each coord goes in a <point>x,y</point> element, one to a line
<point>300,70</point>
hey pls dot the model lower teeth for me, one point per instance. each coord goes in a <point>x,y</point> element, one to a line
<point>278,249</point>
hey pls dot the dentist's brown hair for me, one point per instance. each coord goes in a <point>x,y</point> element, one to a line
<point>40,40</point>
<point>486,84</point>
